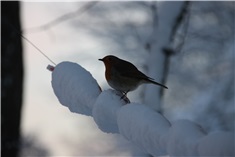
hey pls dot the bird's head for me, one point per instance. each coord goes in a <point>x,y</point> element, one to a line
<point>109,60</point>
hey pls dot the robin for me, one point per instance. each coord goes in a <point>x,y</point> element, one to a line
<point>123,76</point>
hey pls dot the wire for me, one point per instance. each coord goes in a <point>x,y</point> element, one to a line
<point>18,32</point>
<point>37,49</point>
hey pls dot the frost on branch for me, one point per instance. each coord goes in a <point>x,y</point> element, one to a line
<point>76,89</point>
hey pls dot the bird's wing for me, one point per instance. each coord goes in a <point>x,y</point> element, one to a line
<point>127,69</point>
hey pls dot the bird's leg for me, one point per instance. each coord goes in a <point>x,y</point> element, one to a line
<point>124,95</point>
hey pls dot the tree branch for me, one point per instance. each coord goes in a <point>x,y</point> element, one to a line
<point>63,18</point>
<point>142,126</point>
<point>168,51</point>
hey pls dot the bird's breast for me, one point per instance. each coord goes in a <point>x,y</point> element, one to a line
<point>108,73</point>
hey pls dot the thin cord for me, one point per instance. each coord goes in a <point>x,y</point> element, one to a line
<point>37,49</point>
<point>18,32</point>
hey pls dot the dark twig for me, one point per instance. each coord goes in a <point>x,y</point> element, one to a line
<point>179,20</point>
<point>62,18</point>
<point>168,51</point>
<point>151,40</point>
<point>186,27</point>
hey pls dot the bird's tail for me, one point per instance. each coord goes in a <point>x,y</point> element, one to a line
<point>150,80</point>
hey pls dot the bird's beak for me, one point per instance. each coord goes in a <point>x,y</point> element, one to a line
<point>101,60</point>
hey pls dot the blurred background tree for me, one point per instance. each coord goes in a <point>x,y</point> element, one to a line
<point>12,79</point>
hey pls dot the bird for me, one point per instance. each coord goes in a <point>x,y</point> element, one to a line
<point>123,76</point>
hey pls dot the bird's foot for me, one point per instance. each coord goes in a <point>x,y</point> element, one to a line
<point>125,98</point>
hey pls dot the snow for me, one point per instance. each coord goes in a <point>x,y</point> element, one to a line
<point>153,133</point>
<point>165,21</point>
<point>144,127</point>
<point>183,137</point>
<point>75,87</point>
<point>217,144</point>
<point>105,111</point>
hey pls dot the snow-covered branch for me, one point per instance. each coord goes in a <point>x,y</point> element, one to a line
<point>167,15</point>
<point>75,87</point>
<point>78,90</point>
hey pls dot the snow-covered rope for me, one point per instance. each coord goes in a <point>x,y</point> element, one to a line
<point>76,89</point>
